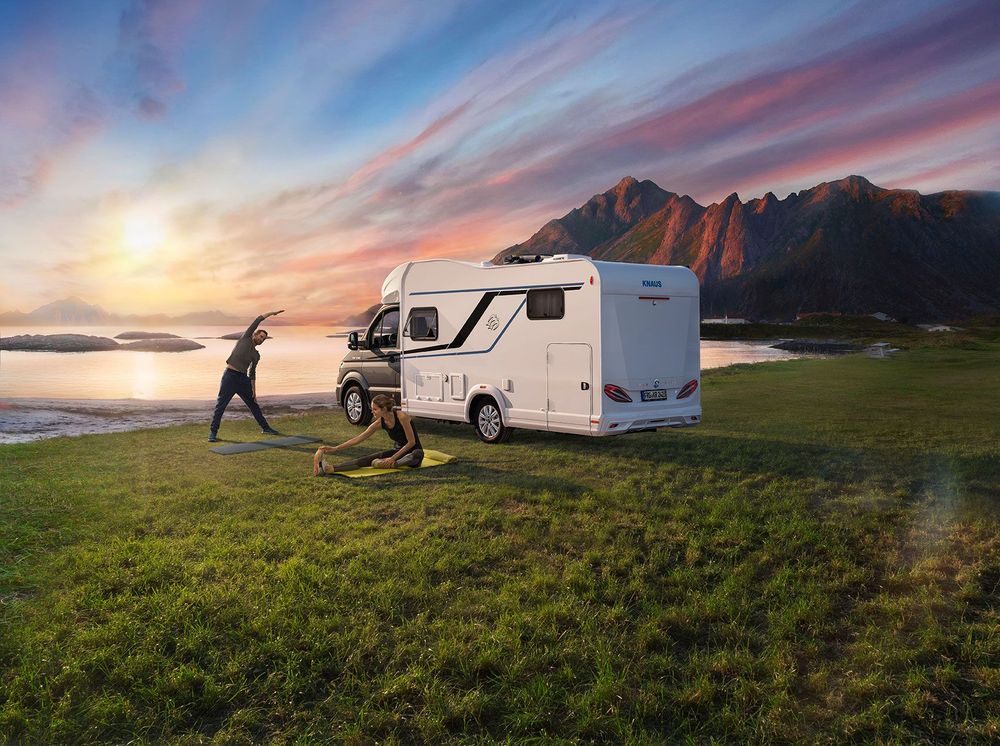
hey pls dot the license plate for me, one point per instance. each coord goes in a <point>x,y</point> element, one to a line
<point>654,395</point>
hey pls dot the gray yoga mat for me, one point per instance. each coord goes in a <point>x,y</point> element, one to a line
<point>263,445</point>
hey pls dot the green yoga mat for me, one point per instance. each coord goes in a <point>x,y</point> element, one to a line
<point>431,458</point>
<point>263,445</point>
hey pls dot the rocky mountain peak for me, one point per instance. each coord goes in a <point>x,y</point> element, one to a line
<point>627,182</point>
<point>829,248</point>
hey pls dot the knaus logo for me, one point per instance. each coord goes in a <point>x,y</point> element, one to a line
<point>652,284</point>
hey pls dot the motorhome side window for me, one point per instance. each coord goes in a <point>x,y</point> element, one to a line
<point>422,324</point>
<point>549,303</point>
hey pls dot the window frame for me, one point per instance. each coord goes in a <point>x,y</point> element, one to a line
<point>409,318</point>
<point>562,295</point>
<point>375,330</point>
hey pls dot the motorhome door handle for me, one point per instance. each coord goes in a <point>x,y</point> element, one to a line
<point>584,386</point>
<point>393,358</point>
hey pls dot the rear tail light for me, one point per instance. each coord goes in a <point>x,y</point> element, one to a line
<point>687,389</point>
<point>616,393</point>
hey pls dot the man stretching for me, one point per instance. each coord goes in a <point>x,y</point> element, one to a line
<point>240,377</point>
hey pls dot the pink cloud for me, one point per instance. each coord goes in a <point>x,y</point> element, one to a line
<point>859,80</point>
<point>399,152</point>
<point>955,171</point>
<point>151,32</point>
<point>872,138</point>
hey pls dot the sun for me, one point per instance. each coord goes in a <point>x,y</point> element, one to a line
<point>143,233</point>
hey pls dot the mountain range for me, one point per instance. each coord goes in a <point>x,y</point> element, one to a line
<point>844,246</point>
<point>76,312</point>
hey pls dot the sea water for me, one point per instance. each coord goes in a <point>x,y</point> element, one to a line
<point>44,394</point>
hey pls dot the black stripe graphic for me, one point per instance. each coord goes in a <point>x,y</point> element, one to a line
<point>470,323</point>
<point>475,316</point>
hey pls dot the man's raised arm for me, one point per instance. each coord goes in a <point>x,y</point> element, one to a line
<point>256,322</point>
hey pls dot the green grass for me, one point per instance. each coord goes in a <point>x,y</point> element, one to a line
<point>819,561</point>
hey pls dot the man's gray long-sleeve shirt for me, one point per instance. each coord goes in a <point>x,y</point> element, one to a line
<point>244,356</point>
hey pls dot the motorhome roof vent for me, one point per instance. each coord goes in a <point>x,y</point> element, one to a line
<point>564,257</point>
<point>525,258</point>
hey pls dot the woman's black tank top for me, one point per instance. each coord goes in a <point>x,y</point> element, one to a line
<point>398,434</point>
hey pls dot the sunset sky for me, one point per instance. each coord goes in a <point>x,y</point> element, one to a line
<point>179,155</point>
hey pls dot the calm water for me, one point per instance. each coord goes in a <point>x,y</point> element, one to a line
<point>44,394</point>
<point>298,360</point>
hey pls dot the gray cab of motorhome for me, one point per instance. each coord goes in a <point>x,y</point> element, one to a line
<point>371,366</point>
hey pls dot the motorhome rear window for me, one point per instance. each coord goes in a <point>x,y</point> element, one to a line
<point>422,324</point>
<point>549,303</point>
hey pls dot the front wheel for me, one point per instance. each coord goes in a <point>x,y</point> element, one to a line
<point>488,423</point>
<point>356,406</point>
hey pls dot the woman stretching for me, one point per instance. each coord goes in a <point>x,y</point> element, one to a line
<point>398,425</point>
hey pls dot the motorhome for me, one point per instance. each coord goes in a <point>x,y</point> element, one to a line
<point>560,343</point>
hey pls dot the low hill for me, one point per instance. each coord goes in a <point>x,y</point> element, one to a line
<point>73,311</point>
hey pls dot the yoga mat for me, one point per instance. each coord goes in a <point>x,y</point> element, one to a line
<point>431,458</point>
<point>263,445</point>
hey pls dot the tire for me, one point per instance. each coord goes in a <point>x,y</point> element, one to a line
<point>356,406</point>
<point>488,422</point>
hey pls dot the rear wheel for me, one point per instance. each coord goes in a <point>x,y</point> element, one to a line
<point>488,422</point>
<point>356,406</point>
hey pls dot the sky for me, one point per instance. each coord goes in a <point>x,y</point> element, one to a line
<point>168,156</point>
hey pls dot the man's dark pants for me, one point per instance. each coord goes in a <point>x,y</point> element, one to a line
<point>238,384</point>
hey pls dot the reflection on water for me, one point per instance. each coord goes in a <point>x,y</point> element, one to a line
<point>144,377</point>
<point>299,360</point>
<point>721,354</point>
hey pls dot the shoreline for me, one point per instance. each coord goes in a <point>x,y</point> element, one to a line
<point>27,419</point>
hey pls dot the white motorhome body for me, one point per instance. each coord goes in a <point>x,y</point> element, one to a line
<point>565,344</point>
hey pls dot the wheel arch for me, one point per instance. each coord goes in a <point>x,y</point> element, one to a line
<point>354,377</point>
<point>481,391</point>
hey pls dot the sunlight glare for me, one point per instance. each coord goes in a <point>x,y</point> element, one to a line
<point>142,233</point>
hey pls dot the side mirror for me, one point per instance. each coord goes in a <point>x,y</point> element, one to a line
<point>352,341</point>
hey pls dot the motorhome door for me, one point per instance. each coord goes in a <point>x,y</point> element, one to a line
<point>569,385</point>
<point>381,366</point>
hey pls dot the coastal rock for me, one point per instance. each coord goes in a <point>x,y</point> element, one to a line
<point>233,335</point>
<point>146,335</point>
<point>85,343</point>
<point>163,345</point>
<point>58,343</point>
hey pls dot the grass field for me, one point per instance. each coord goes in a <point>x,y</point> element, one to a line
<point>819,561</point>
<point>861,330</point>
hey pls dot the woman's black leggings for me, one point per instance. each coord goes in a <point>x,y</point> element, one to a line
<point>411,459</point>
